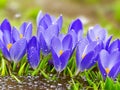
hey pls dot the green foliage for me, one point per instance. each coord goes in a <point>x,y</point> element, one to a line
<point>2,3</point>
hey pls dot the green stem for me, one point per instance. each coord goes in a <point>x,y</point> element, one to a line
<point>14,66</point>
<point>4,69</point>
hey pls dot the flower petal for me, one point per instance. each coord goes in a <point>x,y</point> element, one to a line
<point>76,25</point>
<point>56,60</point>
<point>56,45</point>
<point>39,17</point>
<point>33,52</point>
<point>18,50</point>
<point>67,42</point>
<point>23,28</point>
<point>15,34</point>
<point>87,61</point>
<point>43,45</point>
<point>60,22</point>
<point>64,59</point>
<point>5,25</point>
<point>28,32</point>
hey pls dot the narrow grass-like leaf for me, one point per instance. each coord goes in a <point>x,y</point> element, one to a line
<point>44,74</point>
<point>21,70</point>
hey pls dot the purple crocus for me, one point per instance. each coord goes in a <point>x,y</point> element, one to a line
<point>24,32</point>
<point>61,51</point>
<point>33,52</point>
<point>97,34</point>
<point>46,20</point>
<point>85,54</point>
<point>109,63</point>
<point>13,51</point>
<point>45,37</point>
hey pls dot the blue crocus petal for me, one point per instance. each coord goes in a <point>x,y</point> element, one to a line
<point>60,22</point>
<point>115,70</point>
<point>101,68</point>
<point>56,60</point>
<point>5,25</point>
<point>50,33</point>
<point>15,34</point>
<point>4,51</point>
<point>33,52</point>
<point>87,61</point>
<point>76,25</point>
<point>1,35</point>
<point>78,58</point>
<point>61,36</point>
<point>64,59</point>
<point>45,21</point>
<point>81,46</point>
<point>39,17</point>
<point>74,38</point>
<point>18,50</point>
<point>28,31</point>
<point>23,28</point>
<point>67,42</point>
<point>40,31</point>
<point>107,42</point>
<point>43,45</point>
<point>115,45</point>
<point>104,57</point>
<point>7,37</point>
<point>56,45</point>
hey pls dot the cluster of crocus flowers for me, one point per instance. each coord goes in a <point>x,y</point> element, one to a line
<point>95,47</point>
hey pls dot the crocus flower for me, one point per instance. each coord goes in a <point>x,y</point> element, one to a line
<point>46,20</point>
<point>45,37</point>
<point>85,54</point>
<point>13,51</point>
<point>24,32</point>
<point>33,52</point>
<point>97,34</point>
<point>109,63</point>
<point>61,51</point>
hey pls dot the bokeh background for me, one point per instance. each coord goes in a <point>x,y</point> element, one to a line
<point>91,12</point>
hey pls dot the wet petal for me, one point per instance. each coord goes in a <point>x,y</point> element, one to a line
<point>44,47</point>
<point>67,42</point>
<point>104,57</point>
<point>115,70</point>
<point>115,45</point>
<point>107,42</point>
<point>39,17</point>
<point>28,31</point>
<point>18,50</point>
<point>56,45</point>
<point>50,33</point>
<point>60,22</point>
<point>56,60</point>
<point>23,27</point>
<point>87,61</point>
<point>76,25</point>
<point>33,53</point>
<point>64,59</point>
<point>5,25</point>
<point>15,34</point>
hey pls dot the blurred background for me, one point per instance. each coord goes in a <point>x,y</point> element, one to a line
<point>91,12</point>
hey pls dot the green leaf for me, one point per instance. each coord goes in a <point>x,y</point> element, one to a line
<point>21,70</point>
<point>108,84</point>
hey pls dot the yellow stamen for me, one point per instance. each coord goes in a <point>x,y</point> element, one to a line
<point>9,46</point>
<point>60,52</point>
<point>107,70</point>
<point>21,36</point>
<point>97,38</point>
<point>83,55</point>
